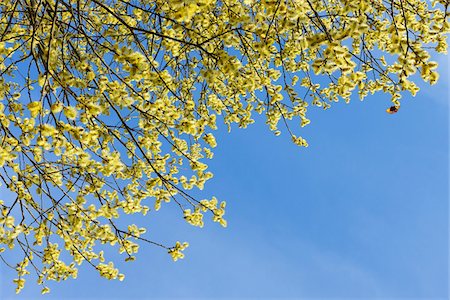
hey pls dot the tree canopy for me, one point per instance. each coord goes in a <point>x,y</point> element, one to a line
<point>109,107</point>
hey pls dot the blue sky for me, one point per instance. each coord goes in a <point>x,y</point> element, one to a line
<point>361,213</point>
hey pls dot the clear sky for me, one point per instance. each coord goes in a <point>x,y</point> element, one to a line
<point>361,213</point>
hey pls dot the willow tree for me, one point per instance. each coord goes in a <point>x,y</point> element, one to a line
<point>109,107</point>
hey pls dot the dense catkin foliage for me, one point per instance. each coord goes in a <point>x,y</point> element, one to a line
<point>108,107</point>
